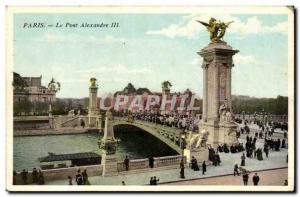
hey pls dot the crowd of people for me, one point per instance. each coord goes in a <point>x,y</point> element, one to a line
<point>81,178</point>
<point>188,122</point>
<point>35,177</point>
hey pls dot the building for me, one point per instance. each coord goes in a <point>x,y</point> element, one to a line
<point>31,89</point>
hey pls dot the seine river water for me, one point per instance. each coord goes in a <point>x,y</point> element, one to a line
<point>134,143</point>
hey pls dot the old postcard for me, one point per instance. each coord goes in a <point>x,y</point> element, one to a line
<point>150,98</point>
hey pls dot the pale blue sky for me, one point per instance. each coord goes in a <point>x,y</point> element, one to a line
<point>147,49</point>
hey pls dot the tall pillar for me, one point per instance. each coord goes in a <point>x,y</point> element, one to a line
<point>93,110</point>
<point>217,64</point>
<point>204,101</point>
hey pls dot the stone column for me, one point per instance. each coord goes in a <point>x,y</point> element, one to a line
<point>216,101</point>
<point>228,86</point>
<point>93,110</point>
<point>217,64</point>
<point>204,101</point>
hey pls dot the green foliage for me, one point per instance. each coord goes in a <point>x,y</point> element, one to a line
<point>22,107</point>
<point>276,106</point>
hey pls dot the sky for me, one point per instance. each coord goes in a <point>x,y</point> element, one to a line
<point>147,49</point>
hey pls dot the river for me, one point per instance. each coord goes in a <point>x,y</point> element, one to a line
<point>134,142</point>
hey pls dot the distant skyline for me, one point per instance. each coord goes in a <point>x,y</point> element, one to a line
<point>147,49</point>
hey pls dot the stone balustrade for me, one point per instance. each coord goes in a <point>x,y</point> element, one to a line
<point>63,173</point>
<point>277,118</point>
<point>134,164</point>
<point>168,160</point>
<point>158,162</point>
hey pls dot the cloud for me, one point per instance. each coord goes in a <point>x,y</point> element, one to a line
<point>117,69</point>
<point>111,39</point>
<point>58,37</point>
<point>188,27</point>
<point>244,59</point>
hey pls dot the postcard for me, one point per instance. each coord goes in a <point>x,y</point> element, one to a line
<point>150,98</point>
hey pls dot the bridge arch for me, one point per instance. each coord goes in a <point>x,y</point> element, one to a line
<point>167,138</point>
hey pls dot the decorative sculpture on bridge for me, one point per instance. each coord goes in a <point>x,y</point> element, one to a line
<point>225,112</point>
<point>54,86</point>
<point>216,29</point>
<point>165,85</point>
<point>93,82</point>
<point>198,140</point>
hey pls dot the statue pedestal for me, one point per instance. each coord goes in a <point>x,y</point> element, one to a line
<point>201,154</point>
<point>220,132</point>
<point>109,164</point>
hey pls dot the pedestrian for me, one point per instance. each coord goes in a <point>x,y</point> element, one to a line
<point>203,167</point>
<point>24,174</point>
<point>182,169</point>
<point>15,177</point>
<point>79,178</point>
<point>245,178</point>
<point>285,182</point>
<point>151,162</point>
<point>194,166</point>
<point>126,163</point>
<point>41,178</point>
<point>255,179</point>
<point>155,180</point>
<point>243,158</point>
<point>236,170</point>
<point>34,175</point>
<point>85,178</point>
<point>70,180</point>
<point>151,181</point>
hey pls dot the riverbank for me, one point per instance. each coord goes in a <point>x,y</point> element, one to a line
<point>61,131</point>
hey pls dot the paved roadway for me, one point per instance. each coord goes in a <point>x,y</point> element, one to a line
<point>266,178</point>
<point>276,160</point>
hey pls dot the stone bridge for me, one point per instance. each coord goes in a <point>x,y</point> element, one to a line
<point>168,135</point>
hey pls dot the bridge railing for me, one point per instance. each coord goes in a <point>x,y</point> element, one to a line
<point>158,162</point>
<point>277,118</point>
<point>168,160</point>
<point>134,164</point>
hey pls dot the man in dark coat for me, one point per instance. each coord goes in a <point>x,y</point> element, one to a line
<point>195,166</point>
<point>151,162</point>
<point>34,175</point>
<point>79,178</point>
<point>203,167</point>
<point>236,170</point>
<point>182,169</point>
<point>154,181</point>
<point>245,178</point>
<point>126,163</point>
<point>255,179</point>
<point>243,158</point>
<point>24,174</point>
<point>85,178</point>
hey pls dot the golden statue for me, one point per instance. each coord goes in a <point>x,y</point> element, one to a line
<point>165,85</point>
<point>93,82</point>
<point>216,29</point>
